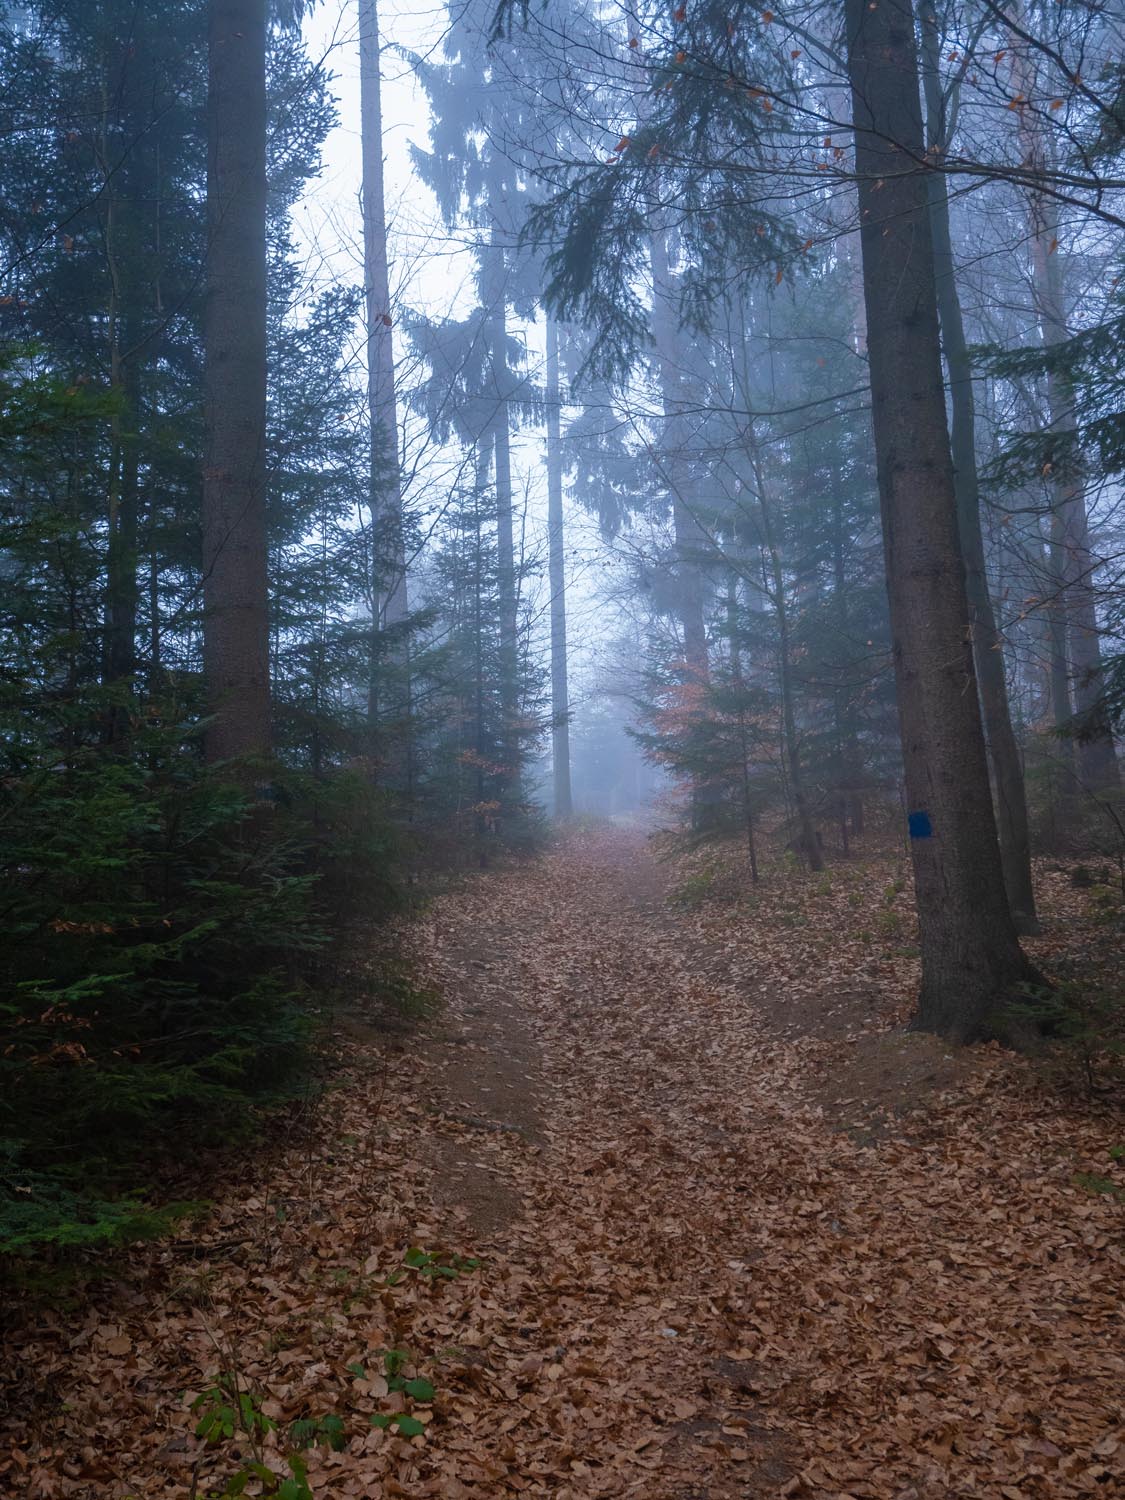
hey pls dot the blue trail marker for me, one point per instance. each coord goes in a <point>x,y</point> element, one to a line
<point>920,825</point>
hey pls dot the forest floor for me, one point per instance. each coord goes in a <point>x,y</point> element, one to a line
<point>738,1235</point>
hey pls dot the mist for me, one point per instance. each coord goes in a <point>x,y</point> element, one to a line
<point>562,671</point>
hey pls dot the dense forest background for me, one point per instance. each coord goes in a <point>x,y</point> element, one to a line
<point>784,348</point>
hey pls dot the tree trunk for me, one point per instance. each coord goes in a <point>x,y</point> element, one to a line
<point>124,184</point>
<point>808,839</point>
<point>971,958</point>
<point>1070,541</point>
<point>556,570</point>
<point>235,596</point>
<point>386,479</point>
<point>496,307</point>
<point>1096,760</point>
<point>807,835</point>
<point>988,643</point>
<point>122,592</point>
<point>689,538</point>
<point>689,535</point>
<point>849,757</point>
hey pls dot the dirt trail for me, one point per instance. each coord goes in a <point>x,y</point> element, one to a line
<point>587,1168</point>
<point>743,1302</point>
<point>692,1287</point>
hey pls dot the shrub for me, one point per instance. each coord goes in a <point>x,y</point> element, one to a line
<point>160,924</point>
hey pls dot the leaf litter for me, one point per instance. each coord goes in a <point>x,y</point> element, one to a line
<point>638,1214</point>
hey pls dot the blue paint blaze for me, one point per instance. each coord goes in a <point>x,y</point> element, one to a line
<point>920,825</point>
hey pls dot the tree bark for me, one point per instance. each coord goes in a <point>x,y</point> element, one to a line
<point>971,958</point>
<point>988,644</point>
<point>235,595</point>
<point>386,480</point>
<point>556,572</point>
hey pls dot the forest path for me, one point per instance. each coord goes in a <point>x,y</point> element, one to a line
<point>691,1284</point>
<point>605,1115</point>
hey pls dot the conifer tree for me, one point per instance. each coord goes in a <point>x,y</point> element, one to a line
<point>971,959</point>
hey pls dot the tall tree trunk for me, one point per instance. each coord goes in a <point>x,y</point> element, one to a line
<point>849,756</point>
<point>971,958</point>
<point>738,681</point>
<point>122,592</point>
<point>123,187</point>
<point>988,643</point>
<point>496,312</point>
<point>389,601</point>
<point>1070,537</point>
<point>235,595</point>
<point>689,538</point>
<point>689,535</point>
<point>807,836</point>
<point>774,589</point>
<point>388,552</point>
<point>556,571</point>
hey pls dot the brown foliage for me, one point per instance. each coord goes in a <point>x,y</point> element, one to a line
<point>694,1284</point>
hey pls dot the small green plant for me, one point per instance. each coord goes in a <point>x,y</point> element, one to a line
<point>434,1266</point>
<point>889,924</point>
<point>406,1424</point>
<point>226,1411</point>
<point>1081,1028</point>
<point>696,890</point>
<point>1097,1182</point>
<point>319,1432</point>
<point>1107,905</point>
<point>1094,1182</point>
<point>404,995</point>
<point>291,1486</point>
<point>225,1408</point>
<point>823,886</point>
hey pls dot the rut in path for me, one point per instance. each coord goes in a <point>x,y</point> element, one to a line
<point>692,1287</point>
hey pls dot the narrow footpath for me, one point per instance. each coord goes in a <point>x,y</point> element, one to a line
<point>610,1204</point>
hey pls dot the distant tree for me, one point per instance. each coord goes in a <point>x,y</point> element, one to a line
<point>1096,758</point>
<point>556,541</point>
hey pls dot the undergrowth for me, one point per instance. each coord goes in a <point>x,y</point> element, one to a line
<point>164,925</point>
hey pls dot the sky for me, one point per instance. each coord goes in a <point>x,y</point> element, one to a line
<point>430,272</point>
